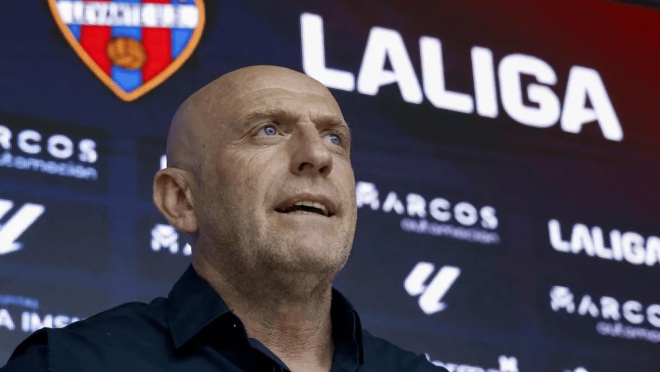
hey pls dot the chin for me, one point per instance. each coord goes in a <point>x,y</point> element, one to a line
<point>318,253</point>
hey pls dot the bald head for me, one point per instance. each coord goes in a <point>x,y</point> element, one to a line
<point>214,107</point>
<point>246,153</point>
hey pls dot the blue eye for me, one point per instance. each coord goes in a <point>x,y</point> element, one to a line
<point>335,139</point>
<point>270,130</point>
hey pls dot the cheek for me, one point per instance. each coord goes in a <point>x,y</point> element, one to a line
<point>250,174</point>
<point>345,179</point>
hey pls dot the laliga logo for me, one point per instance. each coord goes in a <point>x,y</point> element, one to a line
<point>430,300</point>
<point>544,111</point>
<point>16,225</point>
<point>131,45</point>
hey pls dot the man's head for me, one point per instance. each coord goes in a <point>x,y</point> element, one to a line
<point>244,153</point>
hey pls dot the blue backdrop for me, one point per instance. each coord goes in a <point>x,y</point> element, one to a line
<point>506,156</point>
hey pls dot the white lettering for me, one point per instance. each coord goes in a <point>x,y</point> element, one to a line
<point>466,214</point>
<point>78,12</point>
<point>599,244</point>
<point>60,146</point>
<point>587,306</point>
<point>31,321</point>
<point>94,11</point>
<point>187,16</point>
<point>367,194</point>
<point>433,74</point>
<point>653,315</point>
<point>615,240</point>
<point>508,364</point>
<point>555,236</point>
<point>438,209</point>
<point>88,152</point>
<point>382,44</point>
<point>609,308</point>
<point>581,239</point>
<point>36,323</point>
<point>5,138</point>
<point>489,218</point>
<point>61,321</point>
<point>535,105</point>
<point>510,70</point>
<point>633,248</point>
<point>313,53</point>
<point>393,202</point>
<point>485,92</point>
<point>652,250</point>
<point>27,139</point>
<point>117,14</point>
<point>65,8</point>
<point>582,83</point>
<point>562,298</point>
<point>631,312</point>
<point>416,205</point>
<point>6,320</point>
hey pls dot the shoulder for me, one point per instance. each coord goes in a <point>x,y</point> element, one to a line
<point>126,319</point>
<point>124,329</point>
<point>378,351</point>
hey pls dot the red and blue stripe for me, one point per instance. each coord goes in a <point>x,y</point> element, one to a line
<point>162,46</point>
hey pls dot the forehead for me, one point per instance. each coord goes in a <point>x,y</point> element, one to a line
<point>298,94</point>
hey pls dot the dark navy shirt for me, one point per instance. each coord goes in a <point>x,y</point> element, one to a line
<point>192,330</point>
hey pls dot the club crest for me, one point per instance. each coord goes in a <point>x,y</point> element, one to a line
<point>131,45</point>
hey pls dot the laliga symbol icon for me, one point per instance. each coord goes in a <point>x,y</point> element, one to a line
<point>132,46</point>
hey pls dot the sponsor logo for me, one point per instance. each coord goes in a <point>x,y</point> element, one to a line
<point>163,161</point>
<point>461,221</point>
<point>16,224</point>
<point>55,154</point>
<point>166,237</point>
<point>628,246</point>
<point>506,364</point>
<point>617,318</point>
<point>132,46</point>
<point>430,300</point>
<point>536,106</point>
<point>30,319</point>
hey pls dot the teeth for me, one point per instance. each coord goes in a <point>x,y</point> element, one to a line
<point>312,204</point>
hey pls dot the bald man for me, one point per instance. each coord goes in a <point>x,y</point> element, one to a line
<point>260,179</point>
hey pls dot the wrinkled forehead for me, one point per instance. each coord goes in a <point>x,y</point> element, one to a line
<point>289,92</point>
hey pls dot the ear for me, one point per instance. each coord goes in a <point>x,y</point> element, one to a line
<point>173,198</point>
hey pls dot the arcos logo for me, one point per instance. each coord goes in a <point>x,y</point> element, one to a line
<point>460,219</point>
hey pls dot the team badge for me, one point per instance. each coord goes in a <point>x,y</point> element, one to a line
<point>131,45</point>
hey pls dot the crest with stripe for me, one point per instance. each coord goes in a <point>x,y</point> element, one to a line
<point>131,45</point>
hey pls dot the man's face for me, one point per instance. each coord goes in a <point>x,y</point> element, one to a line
<point>277,188</point>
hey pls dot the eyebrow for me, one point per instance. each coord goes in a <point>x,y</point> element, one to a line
<point>281,114</point>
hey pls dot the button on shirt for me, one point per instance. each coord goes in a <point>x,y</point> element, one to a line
<point>194,330</point>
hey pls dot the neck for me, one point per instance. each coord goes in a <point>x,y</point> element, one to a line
<point>290,317</point>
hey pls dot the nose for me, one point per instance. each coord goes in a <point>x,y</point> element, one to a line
<point>311,155</point>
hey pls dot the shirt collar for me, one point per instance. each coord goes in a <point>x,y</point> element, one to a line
<point>193,304</point>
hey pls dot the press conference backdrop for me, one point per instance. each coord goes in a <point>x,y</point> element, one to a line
<point>506,156</point>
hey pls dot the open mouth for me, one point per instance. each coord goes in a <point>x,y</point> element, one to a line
<point>306,207</point>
